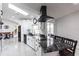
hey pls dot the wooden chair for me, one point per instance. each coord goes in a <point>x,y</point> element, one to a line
<point>65,46</point>
<point>70,47</point>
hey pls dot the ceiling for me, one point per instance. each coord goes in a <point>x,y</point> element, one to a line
<point>56,10</point>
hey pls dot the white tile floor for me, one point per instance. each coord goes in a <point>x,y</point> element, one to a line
<point>19,49</point>
<point>12,48</point>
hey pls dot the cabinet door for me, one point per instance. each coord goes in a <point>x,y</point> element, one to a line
<point>33,42</point>
<point>28,40</point>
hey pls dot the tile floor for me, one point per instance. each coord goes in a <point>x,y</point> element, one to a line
<point>12,48</point>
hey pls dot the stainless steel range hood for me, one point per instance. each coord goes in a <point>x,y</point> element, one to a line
<point>44,17</point>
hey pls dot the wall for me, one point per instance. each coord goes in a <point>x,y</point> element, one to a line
<point>25,25</point>
<point>11,25</point>
<point>68,26</point>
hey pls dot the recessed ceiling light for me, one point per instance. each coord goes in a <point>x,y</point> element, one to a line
<point>11,6</point>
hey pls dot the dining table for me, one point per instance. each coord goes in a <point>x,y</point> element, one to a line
<point>5,35</point>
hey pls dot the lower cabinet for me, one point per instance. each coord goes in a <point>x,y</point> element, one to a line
<point>31,41</point>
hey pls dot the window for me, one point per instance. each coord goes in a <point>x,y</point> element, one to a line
<point>50,28</point>
<point>35,29</point>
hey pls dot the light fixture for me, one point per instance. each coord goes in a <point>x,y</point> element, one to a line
<point>75,3</point>
<point>11,6</point>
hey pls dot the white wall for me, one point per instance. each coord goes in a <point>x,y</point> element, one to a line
<point>68,26</point>
<point>25,25</point>
<point>11,25</point>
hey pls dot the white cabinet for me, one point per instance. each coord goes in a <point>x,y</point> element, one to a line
<point>34,43</point>
<point>30,41</point>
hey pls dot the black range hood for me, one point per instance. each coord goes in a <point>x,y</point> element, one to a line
<point>44,17</point>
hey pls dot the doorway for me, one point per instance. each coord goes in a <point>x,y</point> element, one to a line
<point>19,33</point>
